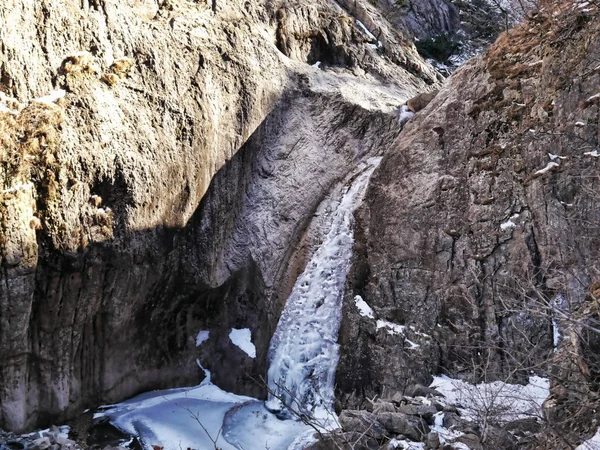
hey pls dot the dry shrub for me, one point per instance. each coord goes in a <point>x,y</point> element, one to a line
<point>122,66</point>
<point>119,69</point>
<point>110,78</point>
<point>79,64</point>
<point>27,135</point>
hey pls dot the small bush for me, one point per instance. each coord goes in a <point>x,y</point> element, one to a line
<point>440,47</point>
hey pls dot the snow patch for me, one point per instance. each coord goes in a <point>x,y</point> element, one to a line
<point>548,168</point>
<point>18,187</point>
<point>365,30</point>
<point>392,328</point>
<point>206,373</point>
<point>552,156</point>
<point>580,124</point>
<point>509,223</point>
<point>595,154</point>
<point>593,97</point>
<point>363,308</point>
<point>592,443</point>
<point>404,115</point>
<point>445,434</point>
<point>243,339</point>
<point>406,445</point>
<point>201,337</point>
<point>51,98</point>
<point>507,402</point>
<point>396,329</point>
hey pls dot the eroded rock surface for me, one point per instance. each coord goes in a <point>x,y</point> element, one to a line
<point>115,116</point>
<point>480,219</point>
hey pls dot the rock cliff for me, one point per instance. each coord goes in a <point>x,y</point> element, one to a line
<point>479,230</point>
<point>114,118</point>
<point>166,169</point>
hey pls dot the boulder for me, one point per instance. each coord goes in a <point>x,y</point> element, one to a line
<point>470,440</point>
<point>383,406</point>
<point>420,101</point>
<point>42,443</point>
<point>345,440</point>
<point>424,411</point>
<point>432,441</point>
<point>412,427</point>
<point>418,390</point>
<point>362,422</point>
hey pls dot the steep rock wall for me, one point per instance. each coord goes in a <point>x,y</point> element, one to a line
<point>486,209</point>
<point>105,278</point>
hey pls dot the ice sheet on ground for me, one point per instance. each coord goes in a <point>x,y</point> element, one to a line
<point>507,402</point>
<point>175,418</point>
<point>243,339</point>
<point>251,425</point>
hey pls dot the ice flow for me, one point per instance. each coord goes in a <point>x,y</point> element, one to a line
<point>303,353</point>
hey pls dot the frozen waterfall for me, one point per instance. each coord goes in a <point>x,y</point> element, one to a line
<point>303,358</point>
<point>304,352</point>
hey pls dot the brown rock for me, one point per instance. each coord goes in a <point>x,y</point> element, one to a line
<point>420,101</point>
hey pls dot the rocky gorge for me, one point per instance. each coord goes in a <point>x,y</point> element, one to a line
<point>169,168</point>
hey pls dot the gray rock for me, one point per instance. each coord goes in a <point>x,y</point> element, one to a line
<point>450,409</point>
<point>349,440</point>
<point>455,422</point>
<point>424,411</point>
<point>472,441</point>
<point>42,443</point>
<point>438,406</point>
<point>362,422</point>
<point>418,390</point>
<point>383,406</point>
<point>117,204</point>
<point>398,398</point>
<point>475,252</point>
<point>397,423</point>
<point>523,427</point>
<point>432,441</point>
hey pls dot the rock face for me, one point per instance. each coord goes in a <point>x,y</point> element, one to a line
<point>481,216</point>
<point>114,118</point>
